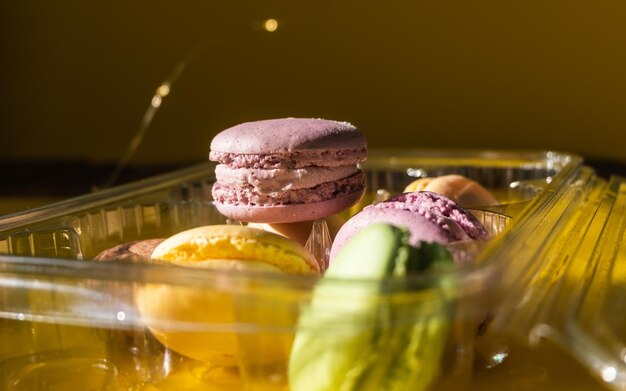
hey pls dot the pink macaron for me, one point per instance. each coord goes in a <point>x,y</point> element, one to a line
<point>288,170</point>
<point>428,216</point>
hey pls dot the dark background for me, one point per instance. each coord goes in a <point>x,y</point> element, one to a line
<point>77,76</point>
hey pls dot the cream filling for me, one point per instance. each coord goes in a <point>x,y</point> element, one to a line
<point>279,179</point>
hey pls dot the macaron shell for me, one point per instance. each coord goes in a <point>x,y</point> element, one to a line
<point>418,185</point>
<point>229,248</point>
<point>238,243</point>
<point>289,213</point>
<point>462,190</point>
<point>205,308</point>
<point>301,230</point>
<point>287,135</point>
<point>438,205</point>
<point>322,356</point>
<point>297,159</point>
<point>420,228</point>
<point>371,253</point>
<point>458,188</point>
<point>371,343</point>
<point>132,250</point>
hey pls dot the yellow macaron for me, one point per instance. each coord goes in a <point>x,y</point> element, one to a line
<point>235,242</point>
<point>218,247</point>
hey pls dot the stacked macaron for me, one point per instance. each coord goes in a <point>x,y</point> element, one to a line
<point>288,170</point>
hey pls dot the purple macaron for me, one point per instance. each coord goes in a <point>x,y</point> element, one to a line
<point>428,216</point>
<point>288,170</point>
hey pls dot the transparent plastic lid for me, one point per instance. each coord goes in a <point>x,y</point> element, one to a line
<point>571,291</point>
<point>145,325</point>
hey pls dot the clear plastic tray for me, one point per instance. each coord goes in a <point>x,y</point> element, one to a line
<point>68,323</point>
<point>563,300</point>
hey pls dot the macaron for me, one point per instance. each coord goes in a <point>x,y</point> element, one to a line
<point>458,188</point>
<point>224,248</point>
<point>139,249</point>
<point>428,216</point>
<point>359,333</point>
<point>301,231</point>
<point>288,170</point>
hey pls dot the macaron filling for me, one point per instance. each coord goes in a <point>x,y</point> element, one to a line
<point>294,159</point>
<point>281,179</point>
<point>252,196</point>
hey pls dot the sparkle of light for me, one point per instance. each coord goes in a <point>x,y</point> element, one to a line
<point>156,101</point>
<point>609,374</point>
<point>499,358</point>
<point>416,172</point>
<point>20,316</point>
<point>163,90</point>
<point>121,316</point>
<point>270,25</point>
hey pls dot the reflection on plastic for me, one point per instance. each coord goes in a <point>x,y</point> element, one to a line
<point>319,243</point>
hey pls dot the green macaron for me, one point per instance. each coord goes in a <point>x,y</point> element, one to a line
<point>368,326</point>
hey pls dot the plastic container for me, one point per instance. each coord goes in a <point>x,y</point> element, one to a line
<point>562,306</point>
<point>67,323</point>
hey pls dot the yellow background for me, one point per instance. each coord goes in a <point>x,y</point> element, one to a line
<point>77,76</point>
